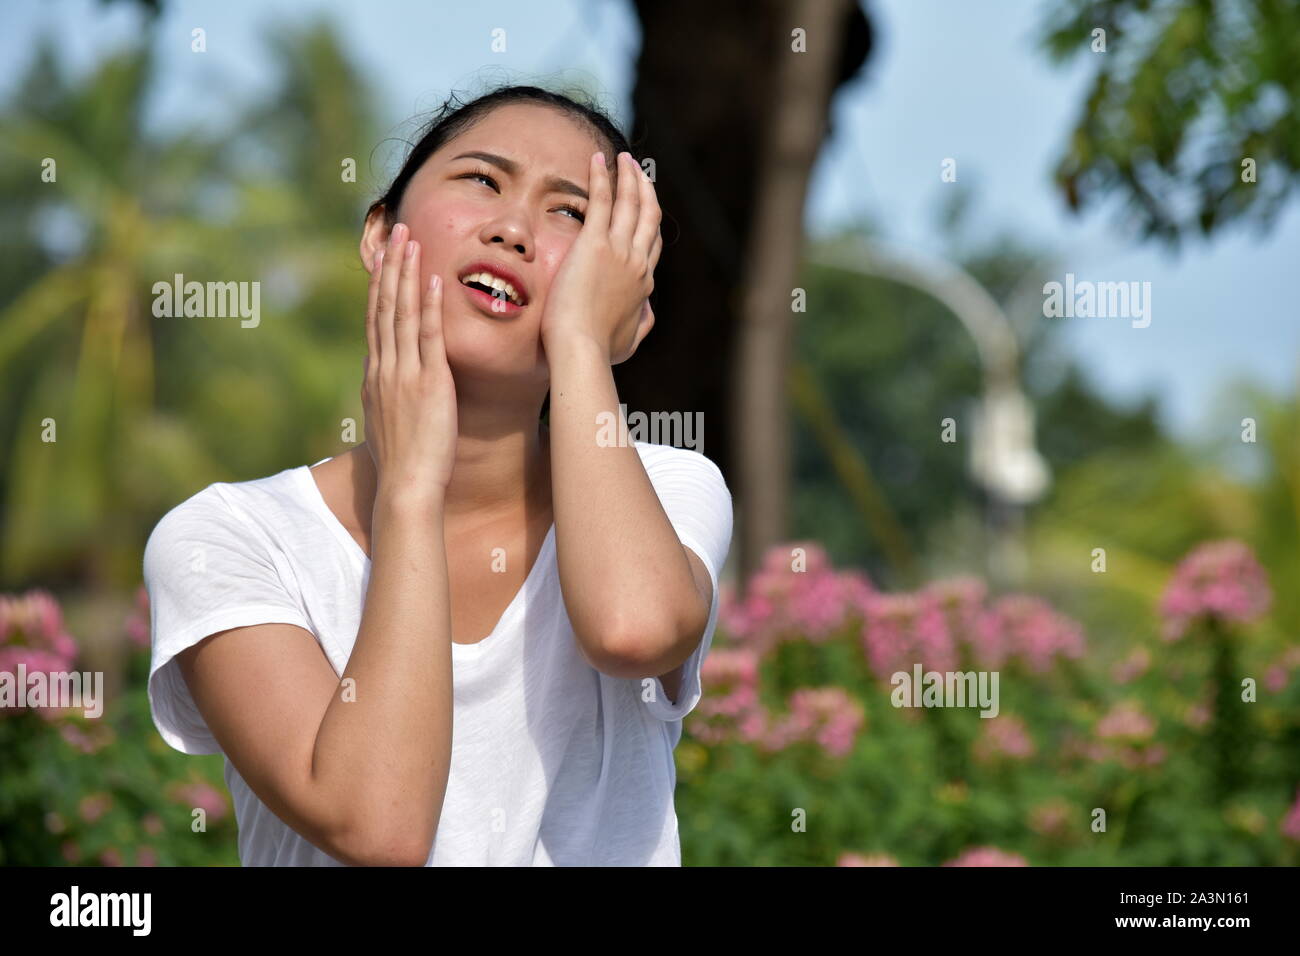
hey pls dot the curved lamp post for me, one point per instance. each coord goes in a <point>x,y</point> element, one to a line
<point>1003,457</point>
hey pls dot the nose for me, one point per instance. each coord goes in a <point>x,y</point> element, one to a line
<point>510,230</point>
<point>519,247</point>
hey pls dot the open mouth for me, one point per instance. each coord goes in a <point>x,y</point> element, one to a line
<point>494,286</point>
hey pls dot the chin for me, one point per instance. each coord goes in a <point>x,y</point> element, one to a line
<point>501,353</point>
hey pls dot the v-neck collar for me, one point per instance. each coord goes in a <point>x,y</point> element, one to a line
<point>516,606</point>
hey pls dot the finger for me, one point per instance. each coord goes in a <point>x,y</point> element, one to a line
<point>387,300</point>
<point>372,293</point>
<point>431,343</point>
<point>656,247</point>
<point>627,205</point>
<point>647,225</point>
<point>598,206</point>
<point>406,318</point>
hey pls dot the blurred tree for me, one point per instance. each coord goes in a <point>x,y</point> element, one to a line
<point>708,121</point>
<point>150,409</point>
<point>886,392</point>
<point>100,209</point>
<point>1189,97</point>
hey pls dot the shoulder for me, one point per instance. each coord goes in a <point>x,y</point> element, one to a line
<point>220,509</point>
<point>669,459</point>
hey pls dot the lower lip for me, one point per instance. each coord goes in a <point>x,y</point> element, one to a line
<point>499,308</point>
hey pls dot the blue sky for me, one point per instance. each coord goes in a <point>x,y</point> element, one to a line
<point>948,79</point>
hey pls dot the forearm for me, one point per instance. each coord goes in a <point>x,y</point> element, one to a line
<point>384,745</point>
<point>625,576</point>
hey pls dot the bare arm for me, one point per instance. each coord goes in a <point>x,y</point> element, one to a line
<point>638,599</point>
<point>361,774</point>
<point>359,766</point>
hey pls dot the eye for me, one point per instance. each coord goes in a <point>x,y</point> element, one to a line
<point>478,174</point>
<point>577,213</point>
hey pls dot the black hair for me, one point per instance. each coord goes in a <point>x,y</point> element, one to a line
<point>457,115</point>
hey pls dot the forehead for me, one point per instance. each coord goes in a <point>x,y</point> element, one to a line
<point>532,133</point>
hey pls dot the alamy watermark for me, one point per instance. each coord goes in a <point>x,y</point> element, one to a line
<point>211,300</point>
<point>946,689</point>
<point>58,689</point>
<point>680,429</point>
<point>131,910</point>
<point>1103,300</point>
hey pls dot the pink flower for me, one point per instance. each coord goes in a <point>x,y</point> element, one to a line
<point>1218,579</point>
<point>1198,714</point>
<point>32,636</point>
<point>1027,628</point>
<point>902,630</point>
<point>987,856</point>
<point>111,857</point>
<point>1291,822</point>
<point>146,856</point>
<point>93,806</point>
<point>871,859</point>
<point>827,716</point>
<point>137,622</point>
<point>962,601</point>
<point>1278,674</point>
<point>1003,736</point>
<point>729,708</point>
<point>34,620</point>
<point>1051,819</point>
<point>729,681</point>
<point>1126,722</point>
<point>796,594</point>
<point>99,736</point>
<point>201,796</point>
<point>1132,667</point>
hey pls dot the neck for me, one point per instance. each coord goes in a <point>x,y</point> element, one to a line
<point>502,465</point>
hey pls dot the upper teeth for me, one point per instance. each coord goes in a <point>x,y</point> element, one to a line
<point>493,282</point>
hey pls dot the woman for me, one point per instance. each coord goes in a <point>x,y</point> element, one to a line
<point>470,640</point>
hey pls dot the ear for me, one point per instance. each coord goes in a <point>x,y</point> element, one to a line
<point>643,327</point>
<point>374,236</point>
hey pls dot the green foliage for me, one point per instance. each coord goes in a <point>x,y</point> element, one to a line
<point>1183,93</point>
<point>109,790</point>
<point>1195,791</point>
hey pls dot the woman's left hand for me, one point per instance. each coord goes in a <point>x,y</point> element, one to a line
<point>600,291</point>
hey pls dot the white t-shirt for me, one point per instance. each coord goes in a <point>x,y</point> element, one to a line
<point>553,763</point>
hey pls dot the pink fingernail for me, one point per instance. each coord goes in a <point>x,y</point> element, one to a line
<point>379,258</point>
<point>433,282</point>
<point>410,248</point>
<point>601,157</point>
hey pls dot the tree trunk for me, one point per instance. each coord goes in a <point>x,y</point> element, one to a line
<point>733,120</point>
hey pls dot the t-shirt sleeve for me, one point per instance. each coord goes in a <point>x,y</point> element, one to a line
<point>206,570</point>
<point>696,499</point>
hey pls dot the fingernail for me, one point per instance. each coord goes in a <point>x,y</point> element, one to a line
<point>601,157</point>
<point>379,258</point>
<point>411,247</point>
<point>433,282</point>
<point>396,235</point>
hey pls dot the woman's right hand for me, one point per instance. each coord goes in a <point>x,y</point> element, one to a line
<point>408,392</point>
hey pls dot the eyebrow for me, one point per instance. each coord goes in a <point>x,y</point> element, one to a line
<point>556,184</point>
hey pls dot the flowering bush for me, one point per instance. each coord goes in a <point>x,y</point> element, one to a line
<point>799,754</point>
<point>1220,579</point>
<point>98,790</point>
<point>1158,750</point>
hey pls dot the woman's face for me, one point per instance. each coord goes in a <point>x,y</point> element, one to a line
<point>508,193</point>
